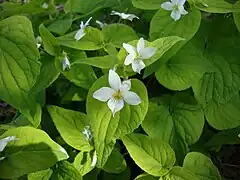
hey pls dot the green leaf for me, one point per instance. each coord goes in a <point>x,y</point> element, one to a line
<point>82,6</point>
<point>201,166</point>
<point>223,115</point>
<point>162,25</point>
<point>115,163</point>
<point>117,34</point>
<point>74,93</point>
<point>148,5</point>
<point>93,40</point>
<point>177,120</point>
<point>229,136</point>
<point>221,84</point>
<point>19,65</point>
<point>236,17</point>
<point>184,69</point>
<point>105,62</point>
<point>65,171</point>
<point>152,155</point>
<point>126,175</point>
<point>217,6</point>
<point>83,162</point>
<point>60,26</point>
<point>179,173</point>
<point>106,128</point>
<point>162,45</point>
<point>146,177</point>
<point>81,74</point>
<point>50,43</point>
<point>33,7</point>
<point>22,155</point>
<point>48,73</point>
<point>70,124</point>
<point>40,175</point>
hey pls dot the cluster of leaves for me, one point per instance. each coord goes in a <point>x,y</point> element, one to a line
<point>166,135</point>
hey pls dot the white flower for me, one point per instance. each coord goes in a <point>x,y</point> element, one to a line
<point>87,133</point>
<point>5,141</point>
<point>38,41</point>
<point>124,16</point>
<point>177,8</point>
<point>94,159</point>
<point>137,55</point>
<point>117,93</point>
<point>101,24</point>
<point>81,32</point>
<point>66,63</point>
<point>45,5</point>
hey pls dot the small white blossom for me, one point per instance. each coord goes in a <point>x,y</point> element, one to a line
<point>101,24</point>
<point>65,62</point>
<point>117,93</point>
<point>177,8</point>
<point>137,55</point>
<point>5,141</point>
<point>38,41</point>
<point>45,5</point>
<point>81,32</point>
<point>94,159</point>
<point>87,133</point>
<point>124,16</point>
<point>2,158</point>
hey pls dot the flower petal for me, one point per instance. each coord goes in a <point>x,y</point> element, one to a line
<point>129,59</point>
<point>174,1</point>
<point>140,45</point>
<point>80,33</point>
<point>101,24</point>
<point>167,6</point>
<point>103,94</point>
<point>182,10</point>
<point>115,105</point>
<point>131,98</point>
<point>66,63</point>
<point>114,80</point>
<point>87,23</point>
<point>138,65</point>
<point>5,141</point>
<point>126,85</point>
<point>130,49</point>
<point>115,13</point>
<point>128,16</point>
<point>181,2</point>
<point>176,15</point>
<point>94,159</point>
<point>148,52</point>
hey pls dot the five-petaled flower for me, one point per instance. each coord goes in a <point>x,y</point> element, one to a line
<point>137,55</point>
<point>81,32</point>
<point>117,93</point>
<point>5,141</point>
<point>177,8</point>
<point>124,16</point>
<point>65,62</point>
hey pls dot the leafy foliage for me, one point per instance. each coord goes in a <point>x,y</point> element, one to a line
<point>72,105</point>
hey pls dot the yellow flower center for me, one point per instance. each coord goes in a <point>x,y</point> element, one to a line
<point>117,95</point>
<point>175,7</point>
